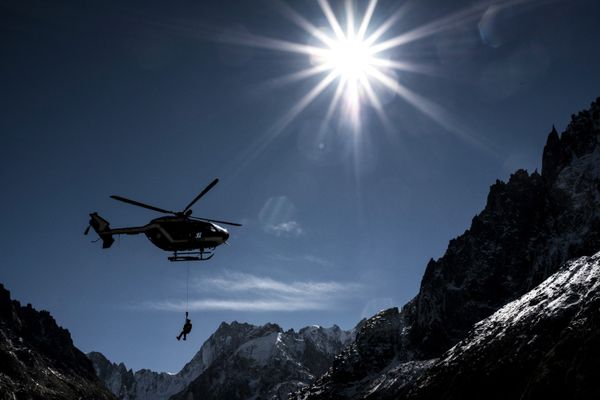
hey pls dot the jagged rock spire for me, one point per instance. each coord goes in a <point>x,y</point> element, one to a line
<point>551,155</point>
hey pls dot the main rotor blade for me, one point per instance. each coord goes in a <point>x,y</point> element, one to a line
<point>137,203</point>
<point>216,220</point>
<point>202,193</point>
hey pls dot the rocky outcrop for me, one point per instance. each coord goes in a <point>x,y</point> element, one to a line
<point>38,359</point>
<point>530,226</point>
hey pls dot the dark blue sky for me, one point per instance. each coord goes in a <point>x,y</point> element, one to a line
<point>150,100</point>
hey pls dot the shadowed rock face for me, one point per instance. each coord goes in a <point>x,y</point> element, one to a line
<point>530,226</point>
<point>484,268</point>
<point>38,359</point>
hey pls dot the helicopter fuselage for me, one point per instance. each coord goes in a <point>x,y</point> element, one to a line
<point>182,234</point>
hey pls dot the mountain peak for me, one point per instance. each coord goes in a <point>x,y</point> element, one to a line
<point>272,361</point>
<point>581,137</point>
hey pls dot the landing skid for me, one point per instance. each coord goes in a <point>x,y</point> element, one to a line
<point>191,256</point>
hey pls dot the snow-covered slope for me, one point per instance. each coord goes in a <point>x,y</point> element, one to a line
<point>530,226</point>
<point>546,344</point>
<point>238,361</point>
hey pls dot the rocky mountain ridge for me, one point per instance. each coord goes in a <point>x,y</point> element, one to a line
<point>38,359</point>
<point>238,361</point>
<point>530,226</point>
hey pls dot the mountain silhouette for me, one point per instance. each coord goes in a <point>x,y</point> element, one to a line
<point>38,359</point>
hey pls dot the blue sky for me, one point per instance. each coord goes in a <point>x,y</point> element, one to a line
<point>152,101</point>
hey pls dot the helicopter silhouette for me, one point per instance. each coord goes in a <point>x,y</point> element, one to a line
<point>189,238</point>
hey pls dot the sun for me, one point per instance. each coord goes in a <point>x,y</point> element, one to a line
<point>350,59</point>
<point>356,61</point>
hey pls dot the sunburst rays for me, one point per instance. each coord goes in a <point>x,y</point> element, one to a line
<point>354,56</point>
<point>354,60</point>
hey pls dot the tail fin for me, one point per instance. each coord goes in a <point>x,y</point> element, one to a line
<point>101,226</point>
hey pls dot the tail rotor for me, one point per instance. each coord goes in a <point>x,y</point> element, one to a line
<point>102,228</point>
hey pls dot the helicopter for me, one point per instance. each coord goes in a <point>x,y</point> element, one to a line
<point>189,238</point>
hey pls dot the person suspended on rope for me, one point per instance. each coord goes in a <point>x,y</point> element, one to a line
<point>187,328</point>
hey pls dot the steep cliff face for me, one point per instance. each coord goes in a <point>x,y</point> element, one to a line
<point>238,361</point>
<point>38,359</point>
<point>484,268</point>
<point>529,227</point>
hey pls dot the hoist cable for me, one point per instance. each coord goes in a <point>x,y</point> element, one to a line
<point>187,290</point>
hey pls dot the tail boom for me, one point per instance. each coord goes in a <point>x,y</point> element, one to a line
<point>102,228</point>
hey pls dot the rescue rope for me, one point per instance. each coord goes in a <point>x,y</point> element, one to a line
<point>187,290</point>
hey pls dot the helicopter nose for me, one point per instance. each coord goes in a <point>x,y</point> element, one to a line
<point>225,236</point>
